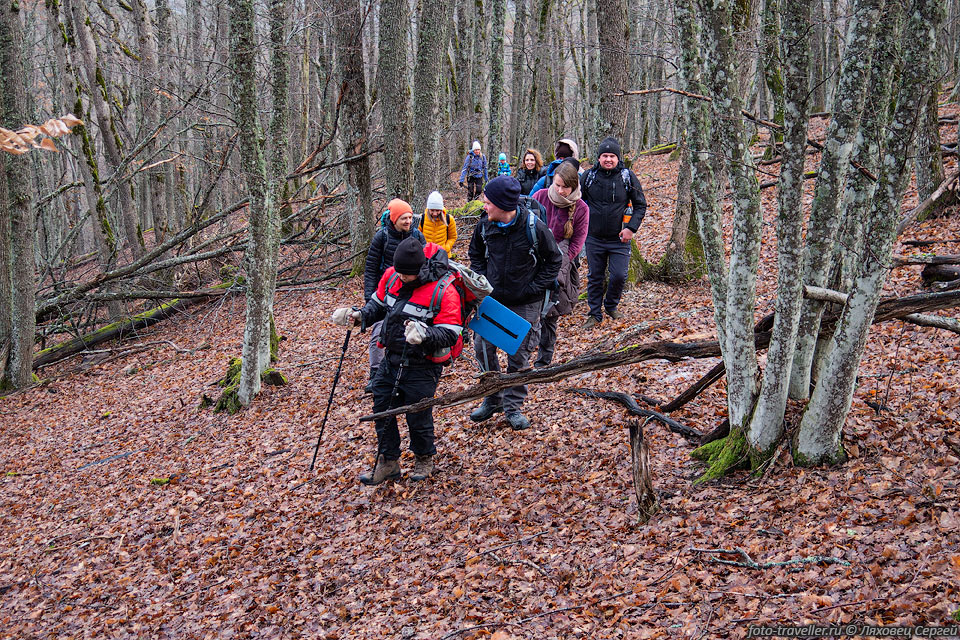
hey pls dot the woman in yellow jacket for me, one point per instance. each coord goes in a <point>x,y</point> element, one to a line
<point>437,225</point>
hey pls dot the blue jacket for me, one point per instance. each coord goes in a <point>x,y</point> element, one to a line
<point>545,179</point>
<point>474,166</point>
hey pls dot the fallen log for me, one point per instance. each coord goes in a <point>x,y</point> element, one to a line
<point>943,195</point>
<point>490,382</point>
<point>899,261</point>
<point>940,273</point>
<point>637,410</point>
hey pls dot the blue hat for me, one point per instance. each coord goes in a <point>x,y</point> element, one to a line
<point>504,192</point>
<point>503,157</point>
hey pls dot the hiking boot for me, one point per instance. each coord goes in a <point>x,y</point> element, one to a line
<point>613,313</point>
<point>422,468</point>
<point>385,470</point>
<point>369,388</point>
<point>590,323</point>
<point>518,422</point>
<point>486,410</point>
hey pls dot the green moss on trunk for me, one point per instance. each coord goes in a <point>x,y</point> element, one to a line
<point>722,456</point>
<point>275,339</point>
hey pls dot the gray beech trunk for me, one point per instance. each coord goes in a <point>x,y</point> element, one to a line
<point>348,28</point>
<point>426,108</point>
<point>818,439</point>
<point>257,260</point>
<point>16,209</point>
<point>614,37</point>
<point>495,142</point>
<point>825,214</point>
<point>394,92</point>
<point>518,80</point>
<point>766,426</point>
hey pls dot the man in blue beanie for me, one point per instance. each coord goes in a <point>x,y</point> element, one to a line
<point>609,189</point>
<point>522,265</point>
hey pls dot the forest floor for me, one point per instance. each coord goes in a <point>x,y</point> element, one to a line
<point>128,512</point>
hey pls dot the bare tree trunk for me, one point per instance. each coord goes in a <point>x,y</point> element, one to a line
<point>518,77</point>
<point>766,426</point>
<point>818,439</point>
<point>149,96</point>
<point>868,149</point>
<point>825,211</point>
<point>394,92</point>
<point>348,28</point>
<point>539,112</point>
<point>739,354</point>
<point>704,181</point>
<point>96,81</point>
<point>614,37</point>
<point>479,84</point>
<point>929,165</point>
<point>16,209</point>
<point>593,71</point>
<point>426,120</point>
<point>256,335</point>
<point>495,131</point>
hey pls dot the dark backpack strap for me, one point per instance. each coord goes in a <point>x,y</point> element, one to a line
<point>438,291</point>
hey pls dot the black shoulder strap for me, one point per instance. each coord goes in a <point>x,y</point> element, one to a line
<point>438,290</point>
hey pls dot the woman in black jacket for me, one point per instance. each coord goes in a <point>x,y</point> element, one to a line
<point>529,170</point>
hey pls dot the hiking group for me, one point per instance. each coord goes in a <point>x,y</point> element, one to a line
<point>524,253</point>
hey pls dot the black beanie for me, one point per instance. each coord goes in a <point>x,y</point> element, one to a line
<point>609,145</point>
<point>504,192</point>
<point>409,257</point>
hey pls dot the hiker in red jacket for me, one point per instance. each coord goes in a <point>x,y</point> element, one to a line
<point>417,335</point>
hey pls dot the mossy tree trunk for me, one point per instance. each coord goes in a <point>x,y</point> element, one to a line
<point>825,212</point>
<point>766,426</point>
<point>818,439</point>
<point>258,262</point>
<point>16,209</point>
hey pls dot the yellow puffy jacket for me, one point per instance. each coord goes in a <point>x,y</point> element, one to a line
<point>444,232</point>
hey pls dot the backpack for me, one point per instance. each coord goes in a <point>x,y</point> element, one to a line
<point>472,289</point>
<point>533,207</point>
<point>419,220</point>
<point>591,175</point>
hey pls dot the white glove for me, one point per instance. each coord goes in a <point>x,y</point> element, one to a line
<point>344,315</point>
<point>415,331</point>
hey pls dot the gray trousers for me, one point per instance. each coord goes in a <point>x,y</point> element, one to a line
<point>512,398</point>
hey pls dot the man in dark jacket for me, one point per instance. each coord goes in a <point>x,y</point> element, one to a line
<point>520,274</point>
<point>417,334</point>
<point>385,241</point>
<point>609,189</point>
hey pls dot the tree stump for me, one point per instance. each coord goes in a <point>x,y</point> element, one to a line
<point>642,480</point>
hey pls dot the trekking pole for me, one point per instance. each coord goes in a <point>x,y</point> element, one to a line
<point>333,388</point>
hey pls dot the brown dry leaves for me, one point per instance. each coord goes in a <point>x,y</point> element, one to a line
<point>26,138</point>
<point>519,535</point>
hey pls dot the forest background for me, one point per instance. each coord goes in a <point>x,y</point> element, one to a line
<point>245,149</point>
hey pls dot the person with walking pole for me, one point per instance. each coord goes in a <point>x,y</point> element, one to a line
<point>422,327</point>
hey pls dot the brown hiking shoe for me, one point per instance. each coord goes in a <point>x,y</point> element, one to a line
<point>590,323</point>
<point>422,468</point>
<point>613,313</point>
<point>384,470</point>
